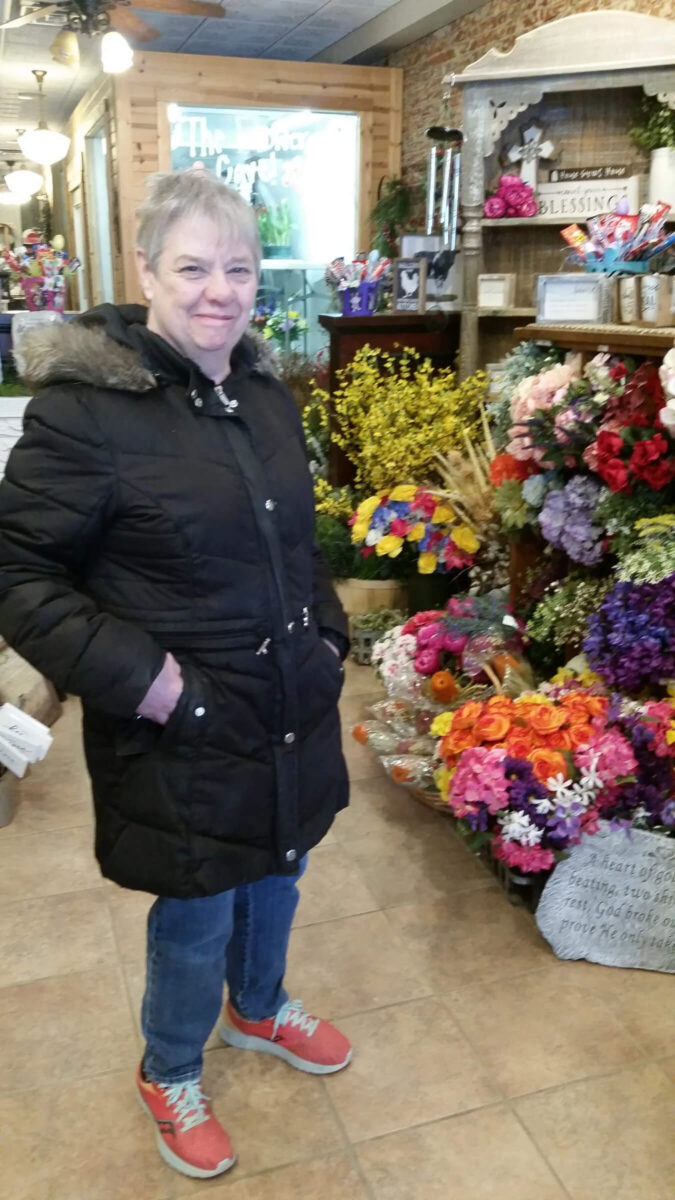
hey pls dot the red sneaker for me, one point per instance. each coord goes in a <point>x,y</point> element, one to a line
<point>305,1042</point>
<point>189,1138</point>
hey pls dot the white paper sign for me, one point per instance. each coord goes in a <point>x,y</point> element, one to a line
<point>613,901</point>
<point>23,740</point>
<point>587,198</point>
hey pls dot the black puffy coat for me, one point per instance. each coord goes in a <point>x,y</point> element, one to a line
<point>142,512</point>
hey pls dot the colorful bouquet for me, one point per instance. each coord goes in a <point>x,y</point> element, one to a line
<point>535,773</point>
<point>384,523</point>
<point>42,273</point>
<point>283,326</point>
<point>513,198</point>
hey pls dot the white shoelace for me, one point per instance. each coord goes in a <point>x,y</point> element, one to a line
<point>189,1103</point>
<point>293,1013</point>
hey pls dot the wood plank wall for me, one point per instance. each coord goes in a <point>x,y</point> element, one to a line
<point>95,109</point>
<point>142,93</point>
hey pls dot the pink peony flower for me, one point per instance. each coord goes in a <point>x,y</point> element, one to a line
<point>494,207</point>
<point>612,754</point>
<point>515,196</point>
<point>528,208</point>
<point>525,858</point>
<point>427,661</point>
<point>507,181</point>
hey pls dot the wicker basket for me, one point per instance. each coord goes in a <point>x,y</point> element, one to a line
<point>430,799</point>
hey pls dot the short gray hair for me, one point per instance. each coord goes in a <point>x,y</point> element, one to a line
<point>172,196</point>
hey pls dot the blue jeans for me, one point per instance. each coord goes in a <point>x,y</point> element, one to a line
<point>193,946</point>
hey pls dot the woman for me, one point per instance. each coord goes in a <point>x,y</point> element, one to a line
<point>157,560</point>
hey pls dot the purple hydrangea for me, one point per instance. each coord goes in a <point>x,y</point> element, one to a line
<point>566,521</point>
<point>631,640</point>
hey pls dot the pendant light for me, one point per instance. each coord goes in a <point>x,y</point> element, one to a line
<point>23,182</point>
<point>43,145</point>
<point>116,53</point>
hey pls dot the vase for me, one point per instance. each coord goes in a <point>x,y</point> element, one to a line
<point>662,176</point>
<point>360,301</point>
<point>276,252</point>
<point>44,294</point>
<point>363,595</point>
<point>433,591</point>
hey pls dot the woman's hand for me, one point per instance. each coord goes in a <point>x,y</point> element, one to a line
<point>163,694</point>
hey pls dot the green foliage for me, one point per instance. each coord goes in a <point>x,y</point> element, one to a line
<point>561,617</point>
<point>618,513</point>
<point>655,125</point>
<point>390,215</point>
<point>378,620</point>
<point>515,512</point>
<point>274,224</point>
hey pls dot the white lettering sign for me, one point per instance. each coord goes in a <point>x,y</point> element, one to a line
<point>581,198</point>
<point>613,901</point>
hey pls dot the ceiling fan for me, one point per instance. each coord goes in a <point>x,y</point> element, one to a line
<point>97,16</point>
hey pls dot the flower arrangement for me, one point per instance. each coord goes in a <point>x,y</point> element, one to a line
<point>283,326</point>
<point>584,435</point>
<point>534,774</point>
<point>42,273</point>
<point>652,558</point>
<point>561,617</point>
<point>274,224</point>
<point>513,198</point>
<point>667,377</point>
<point>382,524</point>
<point>394,414</point>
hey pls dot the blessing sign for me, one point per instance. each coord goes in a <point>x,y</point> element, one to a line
<point>613,901</point>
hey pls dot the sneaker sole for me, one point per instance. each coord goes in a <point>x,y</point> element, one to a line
<point>180,1164</point>
<point>244,1041</point>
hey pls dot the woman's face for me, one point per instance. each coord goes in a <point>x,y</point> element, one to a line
<point>202,292</point>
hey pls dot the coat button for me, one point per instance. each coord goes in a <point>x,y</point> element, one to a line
<point>289,738</point>
<point>200,712</point>
<point>270,505</point>
<point>291,855</point>
<point>199,403</point>
<point>291,626</point>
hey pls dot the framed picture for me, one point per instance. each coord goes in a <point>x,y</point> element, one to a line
<point>410,284</point>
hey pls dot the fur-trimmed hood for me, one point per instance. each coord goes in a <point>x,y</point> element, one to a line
<point>110,347</point>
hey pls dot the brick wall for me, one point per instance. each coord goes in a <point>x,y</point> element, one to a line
<point>497,23</point>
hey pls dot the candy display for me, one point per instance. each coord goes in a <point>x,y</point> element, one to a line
<point>621,240</point>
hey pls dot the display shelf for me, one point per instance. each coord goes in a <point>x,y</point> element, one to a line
<point>507,314</point>
<point>527,222</point>
<point>618,339</point>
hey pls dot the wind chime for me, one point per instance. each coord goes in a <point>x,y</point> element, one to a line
<point>446,153</point>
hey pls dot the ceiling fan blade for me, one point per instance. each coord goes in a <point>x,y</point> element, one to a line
<point>126,22</point>
<point>31,17</point>
<point>187,8</point>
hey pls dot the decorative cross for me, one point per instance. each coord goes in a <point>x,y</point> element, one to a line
<point>529,154</point>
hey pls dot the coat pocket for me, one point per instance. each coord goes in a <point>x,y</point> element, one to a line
<point>184,729</point>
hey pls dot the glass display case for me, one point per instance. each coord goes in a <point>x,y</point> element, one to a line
<point>294,285</point>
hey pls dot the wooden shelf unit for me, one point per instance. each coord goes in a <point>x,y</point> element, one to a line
<point>640,340</point>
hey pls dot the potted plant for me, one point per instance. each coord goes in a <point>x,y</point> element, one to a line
<point>274,224</point>
<point>361,583</point>
<point>390,216</point>
<point>655,132</point>
<point>367,627</point>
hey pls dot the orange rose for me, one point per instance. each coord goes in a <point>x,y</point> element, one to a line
<point>519,743</point>
<point>597,705</point>
<point>444,686</point>
<point>546,764</point>
<point>560,740</point>
<point>580,735</point>
<point>467,715</point>
<point>546,718</point>
<point>492,726</point>
<point>360,733</point>
<point>502,704</point>
<point>457,741</point>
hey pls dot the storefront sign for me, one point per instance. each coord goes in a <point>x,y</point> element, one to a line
<point>613,901</point>
<point>571,174</point>
<point>585,198</point>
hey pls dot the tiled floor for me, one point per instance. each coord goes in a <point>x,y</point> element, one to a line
<point>484,1068</point>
